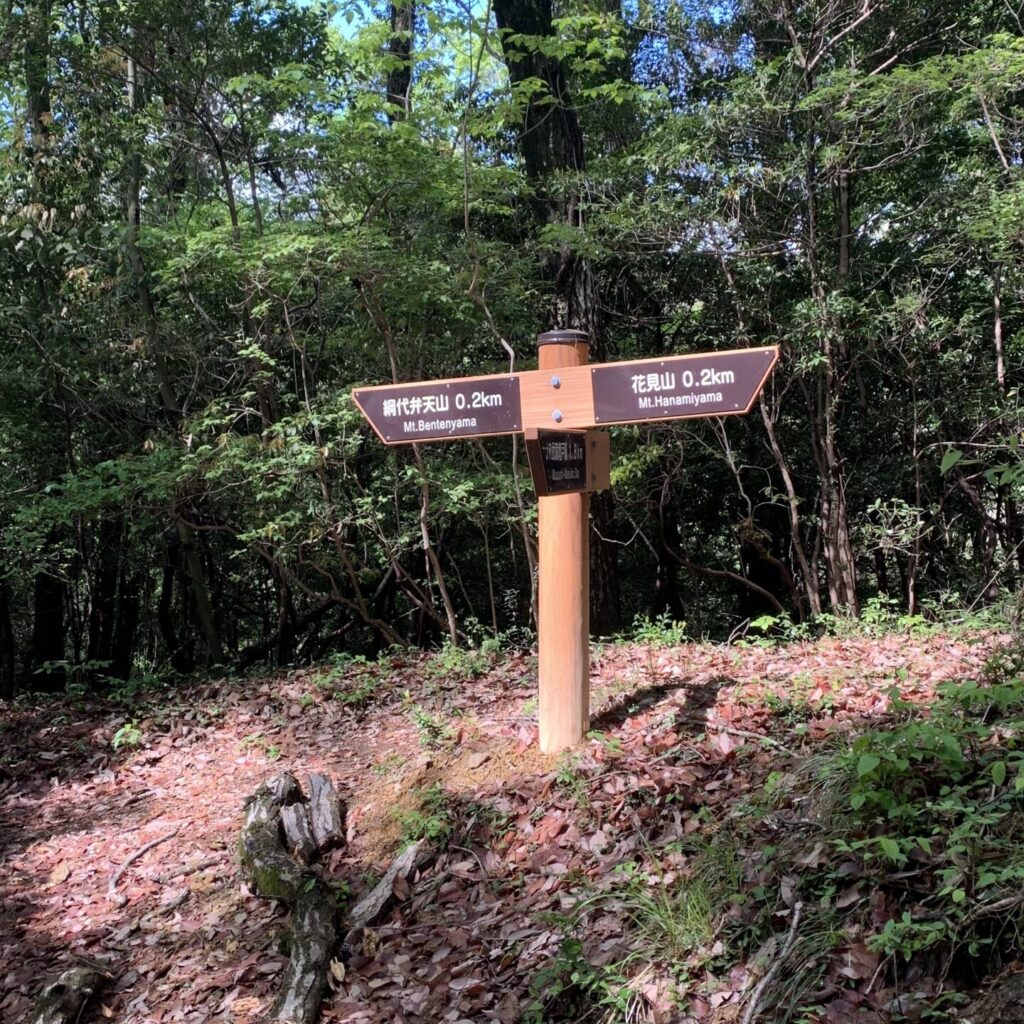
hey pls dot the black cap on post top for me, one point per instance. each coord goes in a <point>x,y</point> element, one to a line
<point>563,338</point>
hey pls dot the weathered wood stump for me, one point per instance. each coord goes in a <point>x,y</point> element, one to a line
<point>326,813</point>
<point>281,837</point>
<point>298,833</point>
<point>272,872</point>
<point>63,1000</point>
<point>371,907</point>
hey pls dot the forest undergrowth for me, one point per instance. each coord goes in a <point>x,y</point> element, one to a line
<point>802,830</point>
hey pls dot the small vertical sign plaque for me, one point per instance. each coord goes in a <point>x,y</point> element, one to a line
<point>568,461</point>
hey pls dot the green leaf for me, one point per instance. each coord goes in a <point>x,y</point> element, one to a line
<point>867,764</point>
<point>949,460</point>
<point>857,801</point>
<point>999,772</point>
<point>889,847</point>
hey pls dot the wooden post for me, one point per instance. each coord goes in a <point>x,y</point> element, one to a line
<point>563,629</point>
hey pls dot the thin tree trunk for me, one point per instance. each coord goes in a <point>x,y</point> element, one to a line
<point>200,594</point>
<point>8,650</point>
<point>490,581</point>
<point>551,142</point>
<point>122,655</point>
<point>154,341</point>
<point>997,330</point>
<point>46,670</point>
<point>914,560</point>
<point>37,75</point>
<point>605,605</point>
<point>399,86</point>
<point>433,562</point>
<point>103,596</point>
<point>810,579</point>
<point>180,654</point>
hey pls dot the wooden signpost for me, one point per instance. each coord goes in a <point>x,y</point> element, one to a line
<point>556,407</point>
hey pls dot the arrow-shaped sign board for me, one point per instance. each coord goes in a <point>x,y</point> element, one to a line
<point>709,384</point>
<point>438,410</point>
<point>571,398</point>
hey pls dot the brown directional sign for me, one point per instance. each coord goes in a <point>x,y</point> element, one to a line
<point>557,406</point>
<point>709,384</point>
<point>567,461</point>
<point>443,409</point>
<point>569,397</point>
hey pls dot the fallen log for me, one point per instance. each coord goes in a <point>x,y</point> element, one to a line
<point>326,813</point>
<point>63,1000</point>
<point>274,874</point>
<point>372,906</point>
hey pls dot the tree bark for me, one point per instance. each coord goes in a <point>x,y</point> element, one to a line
<point>122,655</point>
<point>103,596</point>
<point>326,813</point>
<point>134,218</point>
<point>807,572</point>
<point>180,654</point>
<point>37,75</point>
<point>605,597</point>
<point>298,833</point>
<point>200,594</point>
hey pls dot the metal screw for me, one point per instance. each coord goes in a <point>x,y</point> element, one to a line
<point>557,415</point>
<point>556,382</point>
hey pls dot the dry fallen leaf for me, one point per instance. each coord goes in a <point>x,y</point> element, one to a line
<point>337,975</point>
<point>248,1005</point>
<point>60,874</point>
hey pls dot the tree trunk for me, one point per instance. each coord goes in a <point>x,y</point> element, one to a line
<point>48,634</point>
<point>103,597</point>
<point>37,76</point>
<point>273,874</point>
<point>180,654</point>
<point>551,142</point>
<point>399,87</point>
<point>201,595</point>
<point>134,218</point>
<point>807,572</point>
<point>605,606</point>
<point>7,644</point>
<point>122,655</point>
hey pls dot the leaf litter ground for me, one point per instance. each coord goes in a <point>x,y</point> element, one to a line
<point>682,737</point>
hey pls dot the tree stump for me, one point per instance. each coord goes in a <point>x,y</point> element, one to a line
<point>63,1000</point>
<point>276,875</point>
